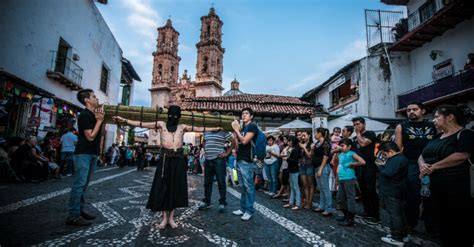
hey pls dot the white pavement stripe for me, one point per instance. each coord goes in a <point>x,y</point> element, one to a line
<point>105,169</point>
<point>301,232</point>
<point>30,201</point>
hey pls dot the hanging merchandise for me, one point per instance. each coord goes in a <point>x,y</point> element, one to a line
<point>9,86</point>
<point>65,107</point>
<point>29,96</point>
<point>71,112</point>
<point>24,94</point>
<point>17,92</point>
<point>60,111</point>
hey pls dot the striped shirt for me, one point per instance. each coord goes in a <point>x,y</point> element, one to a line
<point>215,143</point>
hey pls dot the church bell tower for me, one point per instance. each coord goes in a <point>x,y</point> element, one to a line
<point>210,56</point>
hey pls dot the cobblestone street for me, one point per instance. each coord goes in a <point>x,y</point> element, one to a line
<point>34,214</point>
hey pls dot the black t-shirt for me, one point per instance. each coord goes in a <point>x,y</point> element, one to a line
<point>415,136</point>
<point>438,149</point>
<point>87,121</point>
<point>367,152</point>
<point>293,158</point>
<point>321,150</point>
<point>244,151</point>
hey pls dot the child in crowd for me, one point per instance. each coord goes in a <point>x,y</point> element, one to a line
<point>231,162</point>
<point>348,160</point>
<point>393,191</point>
<point>335,137</point>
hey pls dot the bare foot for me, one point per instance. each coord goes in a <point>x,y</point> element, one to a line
<point>163,224</point>
<point>173,224</point>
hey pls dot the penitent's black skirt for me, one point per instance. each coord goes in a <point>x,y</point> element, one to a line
<point>170,188</point>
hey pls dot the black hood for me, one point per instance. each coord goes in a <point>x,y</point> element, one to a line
<point>174,114</point>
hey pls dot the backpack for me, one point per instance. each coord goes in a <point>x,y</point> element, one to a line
<point>259,146</point>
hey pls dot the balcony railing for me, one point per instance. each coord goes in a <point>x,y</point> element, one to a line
<point>65,71</point>
<point>429,21</point>
<point>437,90</point>
<point>424,13</point>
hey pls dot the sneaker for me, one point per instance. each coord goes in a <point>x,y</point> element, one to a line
<point>392,241</point>
<point>87,216</point>
<point>221,208</point>
<point>271,194</point>
<point>405,239</point>
<point>372,221</point>
<point>238,212</point>
<point>77,221</point>
<point>246,217</point>
<point>204,206</point>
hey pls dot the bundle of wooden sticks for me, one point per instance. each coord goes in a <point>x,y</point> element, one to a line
<point>148,114</point>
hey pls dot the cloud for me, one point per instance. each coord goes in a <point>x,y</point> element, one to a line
<point>355,50</point>
<point>142,18</point>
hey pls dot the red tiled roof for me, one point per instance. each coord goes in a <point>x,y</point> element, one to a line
<point>259,103</point>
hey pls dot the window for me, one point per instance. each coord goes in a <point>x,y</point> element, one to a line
<point>342,93</point>
<point>61,56</point>
<point>160,71</point>
<point>104,79</point>
<point>204,65</point>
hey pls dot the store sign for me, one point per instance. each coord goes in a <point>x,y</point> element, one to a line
<point>442,70</point>
<point>338,82</point>
<point>348,109</point>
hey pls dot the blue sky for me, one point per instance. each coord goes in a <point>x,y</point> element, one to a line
<point>272,47</point>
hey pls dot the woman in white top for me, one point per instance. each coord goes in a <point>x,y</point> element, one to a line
<point>271,164</point>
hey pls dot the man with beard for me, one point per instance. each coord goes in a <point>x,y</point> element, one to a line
<point>412,136</point>
<point>170,188</point>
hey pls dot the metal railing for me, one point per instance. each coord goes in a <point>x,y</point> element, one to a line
<point>67,67</point>
<point>424,13</point>
<point>460,81</point>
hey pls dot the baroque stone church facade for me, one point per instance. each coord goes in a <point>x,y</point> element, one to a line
<point>167,88</point>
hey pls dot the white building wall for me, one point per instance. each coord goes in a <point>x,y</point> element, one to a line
<point>376,92</point>
<point>454,44</point>
<point>30,30</point>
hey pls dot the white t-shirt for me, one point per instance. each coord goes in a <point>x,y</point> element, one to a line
<point>269,159</point>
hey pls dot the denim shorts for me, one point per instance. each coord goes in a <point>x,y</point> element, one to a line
<point>307,170</point>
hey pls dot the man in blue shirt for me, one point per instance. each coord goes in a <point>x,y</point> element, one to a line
<point>68,145</point>
<point>215,165</point>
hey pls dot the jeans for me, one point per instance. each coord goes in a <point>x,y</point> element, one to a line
<point>85,165</point>
<point>398,221</point>
<point>295,189</point>
<point>215,167</point>
<point>325,199</point>
<point>246,171</point>
<point>272,174</point>
<point>306,170</point>
<point>67,158</point>
<point>346,195</point>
